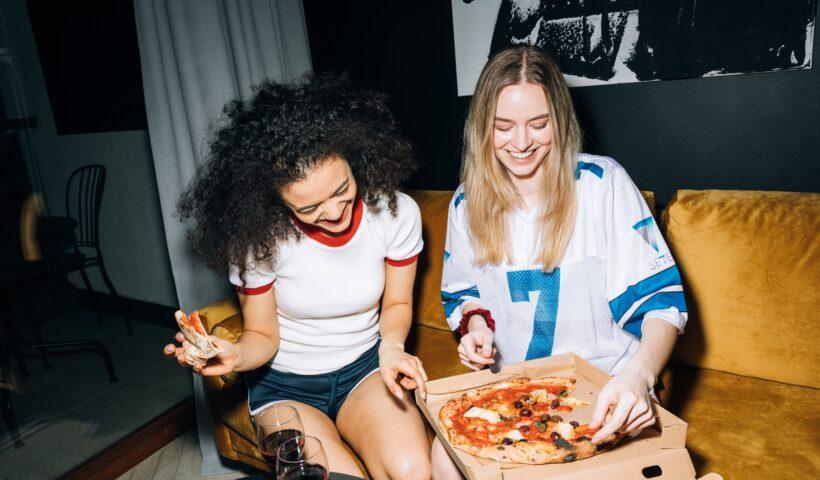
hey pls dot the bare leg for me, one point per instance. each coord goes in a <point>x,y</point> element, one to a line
<point>319,425</point>
<point>387,434</point>
<point>443,466</point>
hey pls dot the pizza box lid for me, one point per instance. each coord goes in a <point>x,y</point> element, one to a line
<point>658,452</point>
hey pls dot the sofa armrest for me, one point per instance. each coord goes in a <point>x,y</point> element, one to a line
<point>218,312</point>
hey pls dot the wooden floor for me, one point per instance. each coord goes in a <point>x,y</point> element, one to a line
<point>179,460</point>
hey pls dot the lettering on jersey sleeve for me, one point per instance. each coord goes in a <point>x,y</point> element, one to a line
<point>524,282</point>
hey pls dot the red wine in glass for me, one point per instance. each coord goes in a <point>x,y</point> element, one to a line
<point>301,458</point>
<point>271,442</point>
<point>307,471</point>
<point>274,425</point>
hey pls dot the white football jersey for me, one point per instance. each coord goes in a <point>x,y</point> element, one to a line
<point>616,270</point>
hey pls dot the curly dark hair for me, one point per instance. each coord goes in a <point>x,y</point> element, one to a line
<point>276,137</point>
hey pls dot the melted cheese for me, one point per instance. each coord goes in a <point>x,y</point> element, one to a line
<point>514,435</point>
<point>542,396</point>
<point>483,413</point>
<point>566,430</point>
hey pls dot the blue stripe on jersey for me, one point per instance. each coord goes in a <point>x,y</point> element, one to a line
<point>446,255</point>
<point>643,223</point>
<point>459,198</point>
<point>646,230</point>
<point>592,167</point>
<point>623,302</point>
<point>451,301</point>
<point>548,285</point>
<point>659,301</point>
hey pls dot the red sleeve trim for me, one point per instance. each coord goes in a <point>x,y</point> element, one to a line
<point>256,290</point>
<point>401,263</point>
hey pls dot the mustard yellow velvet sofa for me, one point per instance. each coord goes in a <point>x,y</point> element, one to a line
<point>745,374</point>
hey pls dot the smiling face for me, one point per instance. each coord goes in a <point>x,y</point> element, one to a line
<point>325,197</point>
<point>522,130</point>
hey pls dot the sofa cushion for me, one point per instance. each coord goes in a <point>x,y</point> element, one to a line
<point>745,427</point>
<point>427,309</point>
<point>750,262</point>
<point>437,350</point>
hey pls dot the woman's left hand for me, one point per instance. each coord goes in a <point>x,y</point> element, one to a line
<point>399,367</point>
<point>628,396</point>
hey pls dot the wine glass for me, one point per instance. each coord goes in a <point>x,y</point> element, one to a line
<point>274,425</point>
<point>301,458</point>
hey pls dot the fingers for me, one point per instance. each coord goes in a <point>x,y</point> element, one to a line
<point>409,367</point>
<point>423,385</point>
<point>641,410</point>
<point>469,364</point>
<point>619,416</point>
<point>421,369</point>
<point>640,422</point>
<point>179,337</point>
<point>487,346</point>
<point>605,400</point>
<point>389,379</point>
<point>471,350</point>
<point>170,350</point>
<point>408,383</point>
<point>207,370</point>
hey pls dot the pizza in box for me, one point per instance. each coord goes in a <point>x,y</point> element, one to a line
<point>520,421</point>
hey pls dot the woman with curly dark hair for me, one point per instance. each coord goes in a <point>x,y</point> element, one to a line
<point>299,199</point>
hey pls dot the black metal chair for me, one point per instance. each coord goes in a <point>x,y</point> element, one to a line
<point>83,198</point>
<point>17,275</point>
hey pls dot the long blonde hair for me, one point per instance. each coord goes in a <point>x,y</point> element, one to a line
<point>488,189</point>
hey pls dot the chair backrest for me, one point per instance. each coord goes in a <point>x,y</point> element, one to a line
<point>28,228</point>
<point>83,197</point>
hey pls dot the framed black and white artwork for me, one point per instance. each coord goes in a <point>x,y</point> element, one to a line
<point>597,42</point>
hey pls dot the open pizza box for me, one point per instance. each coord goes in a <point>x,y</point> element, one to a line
<point>658,452</point>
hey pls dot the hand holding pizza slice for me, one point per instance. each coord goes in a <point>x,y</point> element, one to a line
<point>197,346</point>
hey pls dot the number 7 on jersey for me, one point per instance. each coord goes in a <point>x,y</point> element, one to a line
<point>524,282</point>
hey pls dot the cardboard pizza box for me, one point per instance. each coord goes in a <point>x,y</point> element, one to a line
<point>658,452</point>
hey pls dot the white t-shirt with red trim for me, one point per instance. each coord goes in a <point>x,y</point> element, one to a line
<point>328,289</point>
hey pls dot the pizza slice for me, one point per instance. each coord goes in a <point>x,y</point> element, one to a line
<point>199,347</point>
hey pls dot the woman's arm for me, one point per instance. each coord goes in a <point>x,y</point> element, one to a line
<point>628,392</point>
<point>257,345</point>
<point>394,325</point>
<point>260,336</point>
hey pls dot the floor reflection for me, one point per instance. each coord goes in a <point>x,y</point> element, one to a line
<point>71,411</point>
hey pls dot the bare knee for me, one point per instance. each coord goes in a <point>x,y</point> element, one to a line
<point>415,466</point>
<point>442,466</point>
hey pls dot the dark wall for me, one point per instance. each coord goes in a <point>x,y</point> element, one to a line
<point>91,65</point>
<point>759,131</point>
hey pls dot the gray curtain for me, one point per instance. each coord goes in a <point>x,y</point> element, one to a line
<point>196,55</point>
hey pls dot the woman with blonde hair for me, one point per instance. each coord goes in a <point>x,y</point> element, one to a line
<point>550,250</point>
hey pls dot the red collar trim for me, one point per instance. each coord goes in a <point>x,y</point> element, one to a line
<point>338,240</point>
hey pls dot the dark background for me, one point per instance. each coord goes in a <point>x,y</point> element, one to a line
<point>90,59</point>
<point>757,131</point>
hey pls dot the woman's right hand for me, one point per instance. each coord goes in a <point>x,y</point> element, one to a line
<point>221,364</point>
<point>475,350</point>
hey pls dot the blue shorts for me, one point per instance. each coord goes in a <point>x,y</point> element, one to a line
<point>326,391</point>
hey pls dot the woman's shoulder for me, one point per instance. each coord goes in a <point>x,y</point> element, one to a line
<point>459,196</point>
<point>596,167</point>
<point>405,208</point>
